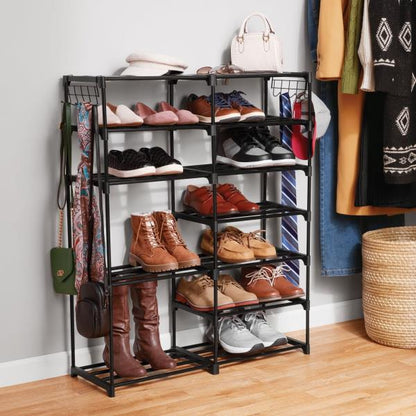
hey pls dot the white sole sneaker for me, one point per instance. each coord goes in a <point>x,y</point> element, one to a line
<point>232,349</point>
<point>255,116</point>
<point>174,168</point>
<point>146,171</point>
<point>284,162</point>
<point>248,165</point>
<point>229,118</point>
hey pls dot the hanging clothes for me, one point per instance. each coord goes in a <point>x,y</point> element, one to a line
<point>392,38</point>
<point>81,208</point>
<point>340,235</point>
<point>333,21</point>
<point>351,69</point>
<point>372,188</point>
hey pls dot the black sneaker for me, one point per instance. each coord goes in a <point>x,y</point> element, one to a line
<point>129,164</point>
<point>237,147</point>
<point>281,155</point>
<point>164,164</point>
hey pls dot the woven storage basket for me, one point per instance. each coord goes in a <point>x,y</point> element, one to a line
<point>389,286</point>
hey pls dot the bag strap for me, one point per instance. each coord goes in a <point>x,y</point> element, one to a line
<point>267,26</point>
<point>65,160</point>
<point>91,193</point>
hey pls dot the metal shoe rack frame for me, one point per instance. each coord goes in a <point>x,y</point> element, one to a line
<point>203,355</point>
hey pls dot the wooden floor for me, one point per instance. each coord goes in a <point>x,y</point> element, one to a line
<point>346,374</point>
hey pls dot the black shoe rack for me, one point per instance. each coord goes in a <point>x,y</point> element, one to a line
<point>202,356</point>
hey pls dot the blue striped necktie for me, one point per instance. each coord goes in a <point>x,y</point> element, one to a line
<point>288,196</point>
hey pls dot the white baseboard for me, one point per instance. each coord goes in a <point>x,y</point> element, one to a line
<point>58,364</point>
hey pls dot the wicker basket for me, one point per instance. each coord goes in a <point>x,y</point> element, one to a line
<point>389,286</point>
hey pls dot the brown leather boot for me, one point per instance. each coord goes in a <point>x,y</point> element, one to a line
<point>173,241</point>
<point>124,363</point>
<point>146,318</point>
<point>146,248</point>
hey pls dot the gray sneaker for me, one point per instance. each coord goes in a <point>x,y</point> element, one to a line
<point>257,324</point>
<point>234,337</point>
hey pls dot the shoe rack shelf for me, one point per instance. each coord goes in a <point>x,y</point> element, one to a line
<point>207,356</point>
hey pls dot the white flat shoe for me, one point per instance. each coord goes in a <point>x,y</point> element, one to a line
<point>127,117</point>
<point>112,119</point>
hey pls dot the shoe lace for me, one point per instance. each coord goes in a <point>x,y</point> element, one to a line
<point>255,235</point>
<point>171,235</point>
<point>278,271</point>
<point>256,317</point>
<point>237,98</point>
<point>219,101</point>
<point>245,140</point>
<point>225,236</point>
<point>148,227</point>
<point>204,281</point>
<point>235,322</point>
<point>228,282</point>
<point>261,274</point>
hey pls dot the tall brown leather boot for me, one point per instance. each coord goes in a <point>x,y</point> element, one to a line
<point>146,248</point>
<point>125,365</point>
<point>146,318</point>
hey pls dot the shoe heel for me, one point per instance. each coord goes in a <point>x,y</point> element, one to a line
<point>133,261</point>
<point>180,298</point>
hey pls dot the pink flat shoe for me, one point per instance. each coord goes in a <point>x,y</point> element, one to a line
<point>152,118</point>
<point>184,116</point>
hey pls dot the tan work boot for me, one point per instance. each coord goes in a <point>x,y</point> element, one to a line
<point>171,238</point>
<point>262,249</point>
<point>198,293</point>
<point>230,247</point>
<point>146,248</point>
<point>230,287</point>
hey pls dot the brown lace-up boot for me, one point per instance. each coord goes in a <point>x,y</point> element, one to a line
<point>146,318</point>
<point>124,363</point>
<point>171,238</point>
<point>146,248</point>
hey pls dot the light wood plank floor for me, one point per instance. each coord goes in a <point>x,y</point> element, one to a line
<point>346,374</point>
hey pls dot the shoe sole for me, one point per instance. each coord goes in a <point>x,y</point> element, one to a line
<point>260,257</point>
<point>189,263</point>
<point>229,118</point>
<point>182,299</point>
<point>246,303</point>
<point>152,268</point>
<point>169,169</point>
<point>146,171</point>
<point>240,350</point>
<point>270,299</point>
<point>276,343</point>
<point>283,162</point>
<point>246,165</point>
<point>255,116</point>
<point>224,260</point>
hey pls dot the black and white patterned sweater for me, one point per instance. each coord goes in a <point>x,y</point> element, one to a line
<point>393,27</point>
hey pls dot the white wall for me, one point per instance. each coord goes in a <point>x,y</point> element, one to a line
<point>45,39</point>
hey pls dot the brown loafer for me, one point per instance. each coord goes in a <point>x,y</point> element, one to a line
<point>230,249</point>
<point>278,280</point>
<point>201,200</point>
<point>231,194</point>
<point>257,281</point>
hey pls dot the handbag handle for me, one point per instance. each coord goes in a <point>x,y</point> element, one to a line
<point>64,164</point>
<point>267,26</point>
